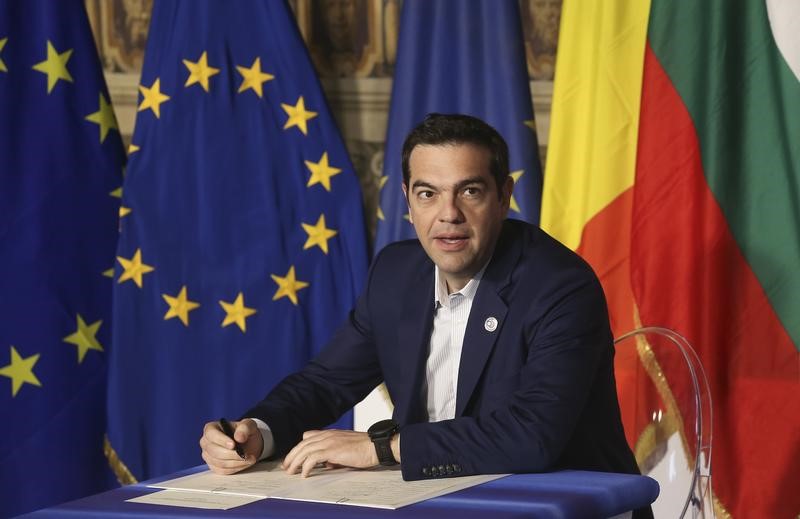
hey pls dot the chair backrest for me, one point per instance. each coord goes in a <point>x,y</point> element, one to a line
<point>666,409</point>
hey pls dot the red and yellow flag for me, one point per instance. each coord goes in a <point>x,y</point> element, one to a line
<point>674,169</point>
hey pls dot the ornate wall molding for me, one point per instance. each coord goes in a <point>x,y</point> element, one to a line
<point>360,105</point>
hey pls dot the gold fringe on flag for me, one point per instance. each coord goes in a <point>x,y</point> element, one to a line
<point>121,470</point>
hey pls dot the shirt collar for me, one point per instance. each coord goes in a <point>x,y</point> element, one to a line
<point>468,291</point>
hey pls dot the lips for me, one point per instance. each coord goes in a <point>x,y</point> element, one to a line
<point>451,242</point>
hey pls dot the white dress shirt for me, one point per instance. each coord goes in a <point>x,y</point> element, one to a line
<point>451,312</point>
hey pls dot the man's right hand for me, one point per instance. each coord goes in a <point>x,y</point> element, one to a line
<point>218,449</point>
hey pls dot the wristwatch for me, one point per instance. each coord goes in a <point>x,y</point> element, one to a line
<point>381,435</point>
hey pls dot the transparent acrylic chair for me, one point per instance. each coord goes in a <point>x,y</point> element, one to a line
<point>666,409</point>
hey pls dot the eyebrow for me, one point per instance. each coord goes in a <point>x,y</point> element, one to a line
<point>464,183</point>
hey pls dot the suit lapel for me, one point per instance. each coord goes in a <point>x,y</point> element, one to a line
<point>479,341</point>
<point>413,337</point>
<point>486,317</point>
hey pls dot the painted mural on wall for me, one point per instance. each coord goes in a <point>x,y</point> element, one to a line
<point>540,21</point>
<point>350,38</point>
<point>346,39</point>
<point>120,30</point>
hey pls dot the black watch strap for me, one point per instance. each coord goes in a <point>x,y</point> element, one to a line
<point>383,447</point>
<point>381,434</point>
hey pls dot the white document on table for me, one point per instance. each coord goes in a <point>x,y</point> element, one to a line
<point>381,487</point>
<point>189,499</point>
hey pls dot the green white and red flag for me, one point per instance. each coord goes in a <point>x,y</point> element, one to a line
<point>674,169</point>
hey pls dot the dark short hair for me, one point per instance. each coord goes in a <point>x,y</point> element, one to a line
<point>443,129</point>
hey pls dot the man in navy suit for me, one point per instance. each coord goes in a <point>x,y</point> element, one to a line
<point>492,338</point>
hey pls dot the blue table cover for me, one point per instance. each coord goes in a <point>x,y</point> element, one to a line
<point>565,494</point>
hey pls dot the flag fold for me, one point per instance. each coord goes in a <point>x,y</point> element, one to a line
<point>243,245</point>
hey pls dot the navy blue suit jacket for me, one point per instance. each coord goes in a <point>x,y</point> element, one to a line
<point>537,393</point>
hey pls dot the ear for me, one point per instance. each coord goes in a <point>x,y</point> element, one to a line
<point>508,189</point>
<point>408,205</point>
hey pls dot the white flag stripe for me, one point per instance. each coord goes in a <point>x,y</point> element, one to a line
<point>784,19</point>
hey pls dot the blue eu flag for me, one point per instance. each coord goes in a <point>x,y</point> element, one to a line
<point>61,161</point>
<point>460,57</point>
<point>243,242</point>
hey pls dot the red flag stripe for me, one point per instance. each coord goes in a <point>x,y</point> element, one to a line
<point>688,273</point>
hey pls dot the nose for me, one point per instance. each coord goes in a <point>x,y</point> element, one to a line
<point>449,210</point>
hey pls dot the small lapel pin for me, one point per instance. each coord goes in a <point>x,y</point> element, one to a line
<point>490,324</point>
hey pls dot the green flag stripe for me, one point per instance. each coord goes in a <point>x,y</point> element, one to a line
<point>745,104</point>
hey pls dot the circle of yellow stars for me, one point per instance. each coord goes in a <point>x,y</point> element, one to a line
<point>56,68</point>
<point>20,369</point>
<point>180,305</point>
<point>253,79</point>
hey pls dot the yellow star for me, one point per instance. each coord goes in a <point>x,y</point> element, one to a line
<point>321,172</point>
<point>132,148</point>
<point>152,98</point>
<point>55,66</point>
<point>84,338</point>
<point>20,371</point>
<point>253,77</point>
<point>124,211</point>
<point>200,72</point>
<point>179,306</point>
<point>117,193</point>
<point>3,65</point>
<point>236,312</point>
<point>104,116</point>
<point>109,273</point>
<point>530,123</point>
<point>318,234</point>
<point>298,116</point>
<point>288,286</point>
<point>381,183</point>
<point>515,175</point>
<point>134,268</point>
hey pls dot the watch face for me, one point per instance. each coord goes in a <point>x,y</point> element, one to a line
<point>382,429</point>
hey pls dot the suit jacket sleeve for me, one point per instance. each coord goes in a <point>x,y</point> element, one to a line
<point>344,372</point>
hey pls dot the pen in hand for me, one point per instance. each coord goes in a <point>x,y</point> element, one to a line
<point>228,430</point>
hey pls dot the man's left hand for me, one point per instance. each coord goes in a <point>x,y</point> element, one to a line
<point>332,447</point>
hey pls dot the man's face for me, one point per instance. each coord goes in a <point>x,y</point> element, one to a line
<point>455,208</point>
